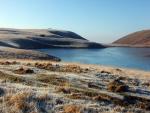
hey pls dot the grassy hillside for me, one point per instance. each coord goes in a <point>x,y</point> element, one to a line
<point>140,38</point>
<point>12,53</point>
<point>43,38</point>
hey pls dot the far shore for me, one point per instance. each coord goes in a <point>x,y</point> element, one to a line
<point>127,45</point>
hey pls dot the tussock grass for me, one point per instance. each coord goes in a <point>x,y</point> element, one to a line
<point>77,93</point>
<point>8,62</point>
<point>65,68</point>
<point>24,102</point>
<point>72,109</point>
<point>72,68</point>
<point>117,86</point>
<point>65,90</point>
<point>52,79</point>
<point>138,101</point>
<point>77,96</point>
<point>43,65</point>
<point>19,101</point>
<point>11,78</point>
<point>22,70</point>
<point>17,79</point>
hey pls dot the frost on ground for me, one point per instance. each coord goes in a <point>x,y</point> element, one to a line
<point>51,87</point>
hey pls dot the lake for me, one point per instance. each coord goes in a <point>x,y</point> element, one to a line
<point>136,58</point>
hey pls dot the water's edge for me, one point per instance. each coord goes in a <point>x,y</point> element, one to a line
<point>135,58</point>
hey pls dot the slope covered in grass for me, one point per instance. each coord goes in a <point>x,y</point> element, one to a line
<point>140,38</point>
<point>28,86</point>
<point>43,38</point>
<point>12,53</point>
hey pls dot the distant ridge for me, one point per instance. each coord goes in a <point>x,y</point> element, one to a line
<point>43,38</point>
<point>139,39</point>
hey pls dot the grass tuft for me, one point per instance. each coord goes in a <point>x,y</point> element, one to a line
<point>72,109</point>
<point>58,68</point>
<point>52,79</point>
<point>24,71</point>
<point>8,63</point>
<point>117,86</point>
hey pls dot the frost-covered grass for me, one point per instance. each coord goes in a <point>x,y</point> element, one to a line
<point>51,87</point>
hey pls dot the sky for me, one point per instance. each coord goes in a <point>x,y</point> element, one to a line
<point>97,20</point>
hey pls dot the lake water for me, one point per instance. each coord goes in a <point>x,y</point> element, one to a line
<point>136,58</point>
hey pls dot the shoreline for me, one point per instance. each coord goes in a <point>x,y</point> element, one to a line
<point>113,69</point>
<point>108,66</point>
<point>13,53</point>
<point>127,46</point>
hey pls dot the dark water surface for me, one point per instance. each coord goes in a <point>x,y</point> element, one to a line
<point>137,58</point>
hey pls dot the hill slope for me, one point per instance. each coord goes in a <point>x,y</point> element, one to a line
<point>12,53</point>
<point>53,87</point>
<point>43,38</point>
<point>140,38</point>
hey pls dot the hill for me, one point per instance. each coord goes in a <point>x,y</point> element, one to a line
<point>13,53</point>
<point>139,39</point>
<point>43,38</point>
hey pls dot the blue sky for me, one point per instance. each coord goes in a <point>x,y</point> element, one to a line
<point>97,20</point>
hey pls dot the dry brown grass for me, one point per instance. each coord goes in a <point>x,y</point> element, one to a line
<point>89,93</point>
<point>52,79</point>
<point>72,109</point>
<point>93,85</point>
<point>67,89</point>
<point>101,98</point>
<point>138,101</point>
<point>8,62</point>
<point>117,86</point>
<point>107,72</point>
<point>76,93</point>
<point>19,101</point>
<point>11,78</point>
<point>72,68</point>
<point>25,102</point>
<point>43,65</point>
<point>146,84</point>
<point>22,70</point>
<point>64,90</point>
<point>17,79</point>
<point>77,96</point>
<point>144,105</point>
<point>65,68</point>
